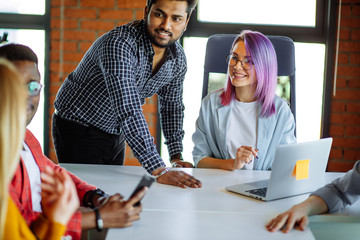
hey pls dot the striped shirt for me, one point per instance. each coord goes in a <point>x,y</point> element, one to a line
<point>110,84</point>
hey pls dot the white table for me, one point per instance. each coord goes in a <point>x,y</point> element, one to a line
<point>211,212</point>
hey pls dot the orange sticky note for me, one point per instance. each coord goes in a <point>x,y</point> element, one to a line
<point>301,169</point>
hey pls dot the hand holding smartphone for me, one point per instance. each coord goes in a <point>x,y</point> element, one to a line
<point>145,181</point>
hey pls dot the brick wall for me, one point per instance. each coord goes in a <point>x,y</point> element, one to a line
<point>75,25</point>
<point>345,107</point>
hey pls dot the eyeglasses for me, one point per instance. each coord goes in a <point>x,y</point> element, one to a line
<point>34,88</point>
<point>246,63</point>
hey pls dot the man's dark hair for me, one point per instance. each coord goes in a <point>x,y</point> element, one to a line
<point>18,52</point>
<point>191,5</point>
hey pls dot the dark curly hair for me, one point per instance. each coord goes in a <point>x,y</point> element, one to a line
<point>191,5</point>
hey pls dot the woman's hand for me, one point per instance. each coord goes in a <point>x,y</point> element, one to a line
<point>59,199</point>
<point>244,155</point>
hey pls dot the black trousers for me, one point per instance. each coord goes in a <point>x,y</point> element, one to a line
<point>76,143</point>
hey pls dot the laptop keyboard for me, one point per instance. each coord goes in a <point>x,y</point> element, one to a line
<point>259,192</point>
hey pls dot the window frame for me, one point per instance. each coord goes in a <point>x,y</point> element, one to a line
<point>35,22</point>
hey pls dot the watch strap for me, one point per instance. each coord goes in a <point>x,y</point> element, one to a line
<point>176,156</point>
<point>98,220</point>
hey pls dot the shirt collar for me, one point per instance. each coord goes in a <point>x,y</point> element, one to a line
<point>147,43</point>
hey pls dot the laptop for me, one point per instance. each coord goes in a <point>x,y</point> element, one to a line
<point>297,169</point>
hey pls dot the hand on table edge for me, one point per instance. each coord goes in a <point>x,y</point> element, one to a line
<point>176,178</point>
<point>297,216</point>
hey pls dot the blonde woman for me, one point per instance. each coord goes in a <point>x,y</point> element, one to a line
<point>59,198</point>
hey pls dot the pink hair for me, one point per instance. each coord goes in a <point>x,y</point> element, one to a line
<point>263,55</point>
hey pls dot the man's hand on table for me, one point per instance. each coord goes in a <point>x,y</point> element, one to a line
<point>177,178</point>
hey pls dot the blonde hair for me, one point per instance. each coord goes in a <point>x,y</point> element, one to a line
<point>12,128</point>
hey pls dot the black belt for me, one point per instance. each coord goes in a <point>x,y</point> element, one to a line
<point>56,112</point>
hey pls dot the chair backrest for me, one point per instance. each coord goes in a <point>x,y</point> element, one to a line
<point>218,48</point>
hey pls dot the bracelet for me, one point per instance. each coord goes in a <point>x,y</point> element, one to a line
<point>165,170</point>
<point>99,221</point>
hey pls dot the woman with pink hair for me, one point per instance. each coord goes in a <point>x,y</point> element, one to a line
<point>245,121</point>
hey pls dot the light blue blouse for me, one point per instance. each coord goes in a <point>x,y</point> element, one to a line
<point>212,126</point>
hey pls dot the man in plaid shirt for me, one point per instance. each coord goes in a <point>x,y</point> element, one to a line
<point>25,186</point>
<point>99,105</point>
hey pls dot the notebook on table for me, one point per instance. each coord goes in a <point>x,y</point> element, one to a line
<point>297,169</point>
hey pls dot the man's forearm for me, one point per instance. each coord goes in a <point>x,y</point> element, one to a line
<point>87,218</point>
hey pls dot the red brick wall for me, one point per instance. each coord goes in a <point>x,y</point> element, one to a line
<point>83,22</point>
<point>345,107</point>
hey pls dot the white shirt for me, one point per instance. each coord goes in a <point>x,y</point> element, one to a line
<point>34,176</point>
<point>242,128</point>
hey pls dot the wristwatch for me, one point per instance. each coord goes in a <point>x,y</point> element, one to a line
<point>99,221</point>
<point>89,197</point>
<point>176,156</point>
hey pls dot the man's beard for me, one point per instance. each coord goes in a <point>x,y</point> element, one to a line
<point>157,43</point>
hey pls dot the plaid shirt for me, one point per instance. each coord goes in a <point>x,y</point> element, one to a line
<point>110,84</point>
<point>20,190</point>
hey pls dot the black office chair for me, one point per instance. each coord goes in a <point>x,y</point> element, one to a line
<point>218,48</point>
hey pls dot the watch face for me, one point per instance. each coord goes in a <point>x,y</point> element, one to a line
<point>99,192</point>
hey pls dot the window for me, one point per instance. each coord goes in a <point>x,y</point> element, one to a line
<point>27,22</point>
<point>23,7</point>
<point>248,12</point>
<point>309,89</point>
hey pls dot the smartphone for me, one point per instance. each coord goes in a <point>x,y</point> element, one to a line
<point>145,181</point>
